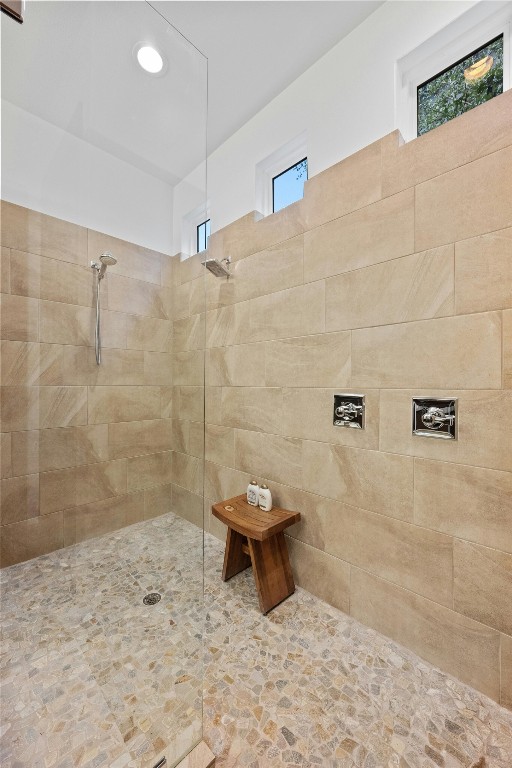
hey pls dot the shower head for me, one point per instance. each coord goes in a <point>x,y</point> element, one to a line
<point>106,260</point>
<point>218,268</point>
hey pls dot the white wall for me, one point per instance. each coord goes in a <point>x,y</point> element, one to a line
<point>52,171</point>
<point>344,102</point>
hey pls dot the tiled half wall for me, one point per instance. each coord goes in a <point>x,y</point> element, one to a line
<point>392,278</point>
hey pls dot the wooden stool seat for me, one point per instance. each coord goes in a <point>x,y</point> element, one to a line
<point>257,538</point>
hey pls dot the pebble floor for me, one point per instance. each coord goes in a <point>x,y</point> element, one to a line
<point>92,677</point>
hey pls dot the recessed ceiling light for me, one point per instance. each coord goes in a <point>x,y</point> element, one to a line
<point>149,59</point>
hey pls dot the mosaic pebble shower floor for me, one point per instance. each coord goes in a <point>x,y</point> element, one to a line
<point>92,677</point>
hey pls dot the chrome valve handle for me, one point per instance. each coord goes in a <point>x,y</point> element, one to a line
<point>348,411</point>
<point>435,418</point>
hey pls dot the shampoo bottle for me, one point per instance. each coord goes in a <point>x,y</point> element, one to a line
<point>253,492</point>
<point>265,499</point>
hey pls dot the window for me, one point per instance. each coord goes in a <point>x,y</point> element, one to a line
<point>469,82</point>
<point>433,72</point>
<point>203,233</point>
<point>288,186</point>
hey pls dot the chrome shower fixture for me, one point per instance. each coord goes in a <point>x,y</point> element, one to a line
<point>106,260</point>
<point>218,268</point>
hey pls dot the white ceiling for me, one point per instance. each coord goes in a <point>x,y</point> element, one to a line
<point>71,64</point>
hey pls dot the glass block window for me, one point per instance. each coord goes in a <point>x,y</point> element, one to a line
<point>469,82</point>
<point>288,186</point>
<point>203,233</point>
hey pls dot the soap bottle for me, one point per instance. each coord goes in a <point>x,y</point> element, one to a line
<point>253,492</point>
<point>265,499</point>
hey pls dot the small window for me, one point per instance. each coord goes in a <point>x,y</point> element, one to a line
<point>288,186</point>
<point>203,233</point>
<point>469,82</point>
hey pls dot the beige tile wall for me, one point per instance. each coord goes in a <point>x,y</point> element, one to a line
<point>88,449</point>
<point>392,277</point>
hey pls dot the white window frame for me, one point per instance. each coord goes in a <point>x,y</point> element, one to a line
<point>469,32</point>
<point>267,169</point>
<point>190,223</point>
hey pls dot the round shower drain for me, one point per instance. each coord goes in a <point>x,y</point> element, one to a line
<point>152,598</point>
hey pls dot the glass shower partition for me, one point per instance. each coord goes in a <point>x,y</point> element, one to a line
<point>102,464</point>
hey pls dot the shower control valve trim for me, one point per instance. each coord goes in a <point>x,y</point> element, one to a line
<point>434,417</point>
<point>349,411</point>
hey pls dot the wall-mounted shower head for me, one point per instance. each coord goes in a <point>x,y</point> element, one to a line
<point>107,260</point>
<point>218,268</point>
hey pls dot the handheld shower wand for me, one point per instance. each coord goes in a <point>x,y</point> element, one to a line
<point>106,260</point>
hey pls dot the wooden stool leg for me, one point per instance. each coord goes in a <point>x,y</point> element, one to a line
<point>235,559</point>
<point>272,571</point>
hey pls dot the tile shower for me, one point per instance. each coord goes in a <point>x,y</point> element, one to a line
<point>391,278</point>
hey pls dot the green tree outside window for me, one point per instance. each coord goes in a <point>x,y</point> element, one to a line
<point>449,94</point>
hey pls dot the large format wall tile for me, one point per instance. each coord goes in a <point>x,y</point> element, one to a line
<point>64,488</point>
<point>506,671</point>
<point>19,408</point>
<point>472,135</point>
<point>457,644</point>
<point>19,318</point>
<point>379,232</point>
<point>484,427</point>
<point>308,413</point>
<point>5,269</point>
<point>296,311</point>
<point>31,538</point>
<point>24,455</point>
<point>189,333</point>
<point>270,456</point>
<point>19,499</point>
<point>187,472</point>
<point>187,504</point>
<point>108,404</point>
<point>467,502</point>
<point>460,352</point>
<point>482,584</point>
<point>90,520</point>
<point>483,272</point>
<point>148,333</point>
<point>153,469</point>
<point>412,557</point>
<point>72,446</point>
<point>133,438</point>
<point>309,361</point>
<point>224,482</point>
<point>353,183</point>
<point>118,366</point>
<point>132,260</point>
<point>62,406</point>
<point>220,444</point>
<point>507,349</point>
<point>72,324</point>
<point>414,287</point>
<point>379,482</point>
<point>137,297</point>
<point>157,500</point>
<point>325,576</point>
<point>27,230</point>
<point>465,202</point>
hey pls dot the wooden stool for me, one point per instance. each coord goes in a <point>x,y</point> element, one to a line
<point>256,538</point>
